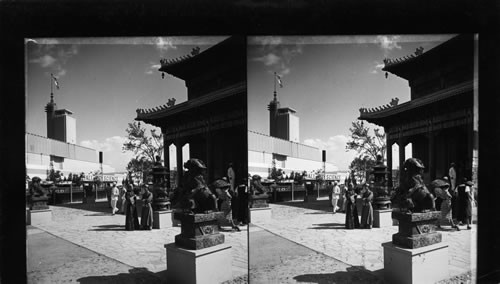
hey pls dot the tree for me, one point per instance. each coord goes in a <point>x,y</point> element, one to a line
<point>365,144</point>
<point>360,167</point>
<point>143,145</point>
<point>136,167</point>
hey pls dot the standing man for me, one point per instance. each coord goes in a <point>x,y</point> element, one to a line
<point>452,173</point>
<point>335,196</point>
<point>329,188</point>
<point>115,193</point>
<point>231,176</point>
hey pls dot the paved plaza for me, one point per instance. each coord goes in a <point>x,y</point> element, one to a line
<point>301,243</point>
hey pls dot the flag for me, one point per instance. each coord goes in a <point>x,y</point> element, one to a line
<point>278,77</point>
<point>55,81</point>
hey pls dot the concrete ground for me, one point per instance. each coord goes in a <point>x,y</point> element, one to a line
<point>301,243</point>
<point>110,254</point>
<point>313,226</point>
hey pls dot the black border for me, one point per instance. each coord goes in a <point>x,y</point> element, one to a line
<point>19,20</point>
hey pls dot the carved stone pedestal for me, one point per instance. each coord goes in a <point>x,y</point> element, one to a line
<point>199,254</point>
<point>39,217</point>
<point>260,214</point>
<point>199,231</point>
<point>382,218</point>
<point>416,230</point>
<point>162,219</point>
<point>424,265</point>
<point>208,265</point>
<point>258,201</point>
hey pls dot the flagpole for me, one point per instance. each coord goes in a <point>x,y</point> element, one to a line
<point>275,82</point>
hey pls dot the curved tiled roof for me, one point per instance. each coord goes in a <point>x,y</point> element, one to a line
<point>170,103</point>
<point>168,62</point>
<point>363,110</point>
<point>392,62</point>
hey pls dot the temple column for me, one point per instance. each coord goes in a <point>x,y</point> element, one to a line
<point>166,157</point>
<point>389,161</point>
<point>401,144</point>
<point>180,167</point>
<point>432,156</point>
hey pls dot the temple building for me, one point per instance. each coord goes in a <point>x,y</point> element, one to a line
<point>213,120</point>
<point>58,151</point>
<point>440,119</point>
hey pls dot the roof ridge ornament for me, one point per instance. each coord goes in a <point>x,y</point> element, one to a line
<point>418,51</point>
<point>394,102</point>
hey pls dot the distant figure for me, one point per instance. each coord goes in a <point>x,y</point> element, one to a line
<point>367,211</point>
<point>222,188</point>
<point>131,219</point>
<point>465,199</point>
<point>231,176</point>
<point>452,173</point>
<point>335,197</point>
<point>243,209</point>
<point>441,189</point>
<point>115,193</point>
<point>147,210</point>
<point>351,213</point>
<point>329,188</point>
<point>123,192</point>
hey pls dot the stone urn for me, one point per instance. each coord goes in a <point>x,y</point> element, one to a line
<point>381,197</point>
<point>161,200</point>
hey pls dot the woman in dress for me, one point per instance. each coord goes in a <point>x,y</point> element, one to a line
<point>131,218</point>
<point>367,211</point>
<point>147,210</point>
<point>441,189</point>
<point>351,213</point>
<point>222,190</point>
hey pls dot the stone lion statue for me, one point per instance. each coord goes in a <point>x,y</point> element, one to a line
<point>194,195</point>
<point>412,194</point>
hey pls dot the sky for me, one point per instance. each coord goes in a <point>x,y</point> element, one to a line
<point>326,79</point>
<point>103,81</point>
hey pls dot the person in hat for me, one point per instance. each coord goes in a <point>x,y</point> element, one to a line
<point>131,218</point>
<point>222,189</point>
<point>441,190</point>
<point>465,200</point>
<point>367,209</point>
<point>147,210</point>
<point>351,212</point>
<point>115,193</point>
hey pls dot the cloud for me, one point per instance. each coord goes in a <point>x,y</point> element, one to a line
<point>276,55</point>
<point>378,67</point>
<point>52,56</point>
<point>388,43</point>
<point>109,144</point>
<point>268,59</point>
<point>164,43</point>
<point>153,68</point>
<point>335,150</point>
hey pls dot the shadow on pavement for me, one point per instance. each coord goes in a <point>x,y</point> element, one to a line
<point>108,228</point>
<point>352,275</point>
<point>135,275</point>
<point>327,226</point>
<point>99,206</point>
<point>321,205</point>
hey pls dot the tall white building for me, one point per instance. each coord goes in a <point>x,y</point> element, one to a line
<point>59,150</point>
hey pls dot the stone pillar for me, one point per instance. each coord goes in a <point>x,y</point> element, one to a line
<point>166,157</point>
<point>401,143</point>
<point>432,156</point>
<point>389,161</point>
<point>180,167</point>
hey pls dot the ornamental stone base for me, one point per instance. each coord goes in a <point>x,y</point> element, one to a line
<point>260,214</point>
<point>208,265</point>
<point>39,217</point>
<point>416,229</point>
<point>382,218</point>
<point>259,201</point>
<point>199,231</point>
<point>162,219</point>
<point>423,265</point>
